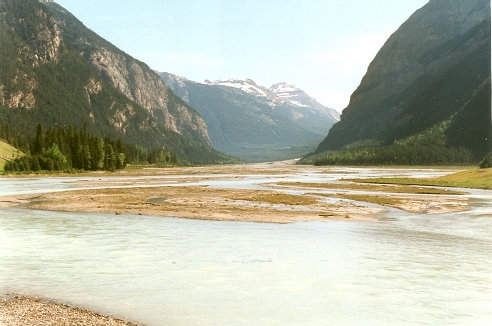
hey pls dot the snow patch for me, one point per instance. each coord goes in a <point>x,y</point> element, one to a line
<point>297,103</point>
<point>278,94</point>
<point>245,85</point>
<point>283,89</point>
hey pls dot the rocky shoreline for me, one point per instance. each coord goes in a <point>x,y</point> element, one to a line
<point>17,310</point>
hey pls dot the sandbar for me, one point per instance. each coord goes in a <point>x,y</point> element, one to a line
<point>202,202</point>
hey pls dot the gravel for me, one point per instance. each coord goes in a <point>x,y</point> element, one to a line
<point>21,310</point>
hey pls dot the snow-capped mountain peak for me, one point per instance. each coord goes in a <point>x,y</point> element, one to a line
<point>246,85</point>
<point>283,88</point>
<point>278,94</point>
<point>289,93</point>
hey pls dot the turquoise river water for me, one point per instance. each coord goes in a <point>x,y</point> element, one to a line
<point>407,269</point>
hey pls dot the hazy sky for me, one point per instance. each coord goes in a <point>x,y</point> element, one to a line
<point>321,46</point>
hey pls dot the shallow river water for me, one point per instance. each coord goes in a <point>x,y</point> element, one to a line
<point>408,269</point>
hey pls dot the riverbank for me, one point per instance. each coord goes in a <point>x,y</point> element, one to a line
<point>22,310</point>
<point>472,178</point>
<point>252,193</point>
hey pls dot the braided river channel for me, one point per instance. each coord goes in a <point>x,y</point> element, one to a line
<point>406,269</point>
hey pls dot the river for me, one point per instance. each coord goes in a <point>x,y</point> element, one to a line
<point>408,269</point>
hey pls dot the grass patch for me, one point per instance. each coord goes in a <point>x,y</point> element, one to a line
<point>277,198</point>
<point>476,178</point>
<point>379,200</point>
<point>7,152</point>
<point>406,189</point>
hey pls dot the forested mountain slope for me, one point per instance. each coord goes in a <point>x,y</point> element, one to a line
<point>56,72</point>
<point>253,122</point>
<point>434,70</point>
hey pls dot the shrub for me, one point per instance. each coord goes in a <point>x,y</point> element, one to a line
<point>487,161</point>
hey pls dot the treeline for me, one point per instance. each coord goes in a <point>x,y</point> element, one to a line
<point>429,147</point>
<point>65,149</point>
<point>13,137</point>
<point>68,149</point>
<point>397,154</point>
<point>158,157</point>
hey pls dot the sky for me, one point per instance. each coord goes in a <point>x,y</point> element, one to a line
<point>321,46</point>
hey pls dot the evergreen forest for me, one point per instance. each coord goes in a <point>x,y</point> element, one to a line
<point>70,149</point>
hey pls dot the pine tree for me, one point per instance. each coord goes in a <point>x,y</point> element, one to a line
<point>38,145</point>
<point>109,157</point>
<point>97,153</point>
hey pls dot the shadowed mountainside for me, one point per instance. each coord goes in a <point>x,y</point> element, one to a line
<point>434,70</point>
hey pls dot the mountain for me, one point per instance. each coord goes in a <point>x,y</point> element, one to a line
<point>253,122</point>
<point>433,71</point>
<point>56,71</point>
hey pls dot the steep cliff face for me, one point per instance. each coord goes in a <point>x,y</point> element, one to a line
<point>425,72</point>
<point>52,73</point>
<point>131,77</point>
<point>39,47</point>
<point>253,122</point>
<point>43,44</point>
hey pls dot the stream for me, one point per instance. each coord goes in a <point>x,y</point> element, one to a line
<point>407,269</point>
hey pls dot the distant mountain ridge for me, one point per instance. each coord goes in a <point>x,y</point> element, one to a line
<point>246,85</point>
<point>434,70</point>
<point>56,71</point>
<point>277,94</point>
<point>253,122</point>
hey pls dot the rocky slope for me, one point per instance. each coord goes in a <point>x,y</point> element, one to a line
<point>425,73</point>
<point>131,77</point>
<point>254,122</point>
<point>56,71</point>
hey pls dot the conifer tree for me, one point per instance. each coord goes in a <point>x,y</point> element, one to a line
<point>38,145</point>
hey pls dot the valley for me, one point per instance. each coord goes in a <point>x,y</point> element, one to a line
<point>253,122</point>
<point>160,233</point>
<point>133,195</point>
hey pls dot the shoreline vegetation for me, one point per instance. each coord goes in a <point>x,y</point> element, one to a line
<point>475,178</point>
<point>69,149</point>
